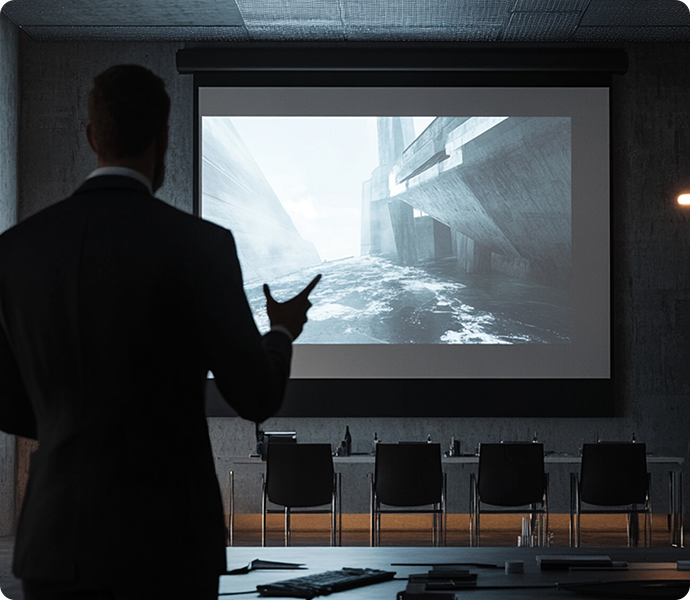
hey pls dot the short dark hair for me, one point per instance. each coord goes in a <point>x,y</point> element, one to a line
<point>128,107</point>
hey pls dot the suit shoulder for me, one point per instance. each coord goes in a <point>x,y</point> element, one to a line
<point>199,226</point>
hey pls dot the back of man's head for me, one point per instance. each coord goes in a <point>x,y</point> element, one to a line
<point>128,107</point>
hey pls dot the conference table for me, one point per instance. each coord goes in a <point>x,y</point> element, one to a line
<point>674,465</point>
<point>638,567</point>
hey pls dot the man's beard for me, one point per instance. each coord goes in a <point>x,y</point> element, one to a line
<point>158,173</point>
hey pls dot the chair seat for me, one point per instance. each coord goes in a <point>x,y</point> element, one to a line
<point>408,478</point>
<point>613,479</point>
<point>300,478</point>
<point>510,479</point>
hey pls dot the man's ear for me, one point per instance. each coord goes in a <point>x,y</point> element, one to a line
<point>162,140</point>
<point>90,137</point>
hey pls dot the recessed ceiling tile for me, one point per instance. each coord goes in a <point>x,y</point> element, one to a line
<point>291,32</point>
<point>290,12</point>
<point>443,13</point>
<point>137,34</point>
<point>113,13</point>
<point>541,6</point>
<point>411,34</point>
<point>634,13</point>
<point>632,34</point>
<point>541,27</point>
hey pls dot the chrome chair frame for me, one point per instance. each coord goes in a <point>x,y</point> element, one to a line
<point>436,509</point>
<point>335,508</point>
<point>632,510</point>
<point>538,515</point>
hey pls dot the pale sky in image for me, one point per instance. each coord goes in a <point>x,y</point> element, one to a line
<point>316,166</point>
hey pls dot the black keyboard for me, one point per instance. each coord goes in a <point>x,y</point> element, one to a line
<point>321,584</point>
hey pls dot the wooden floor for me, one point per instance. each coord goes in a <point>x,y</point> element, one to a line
<point>496,531</point>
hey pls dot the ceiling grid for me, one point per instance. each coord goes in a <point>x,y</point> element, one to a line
<point>523,21</point>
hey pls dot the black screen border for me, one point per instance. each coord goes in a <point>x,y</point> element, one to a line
<point>496,397</point>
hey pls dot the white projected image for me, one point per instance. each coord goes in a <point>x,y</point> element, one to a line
<point>427,230</point>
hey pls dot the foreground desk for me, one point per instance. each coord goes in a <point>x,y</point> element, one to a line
<point>645,562</point>
<point>672,463</point>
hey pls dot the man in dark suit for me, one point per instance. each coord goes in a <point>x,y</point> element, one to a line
<point>113,308</point>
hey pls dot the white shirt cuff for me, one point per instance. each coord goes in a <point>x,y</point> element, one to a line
<point>282,329</point>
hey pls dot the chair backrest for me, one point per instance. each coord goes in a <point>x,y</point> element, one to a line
<point>511,474</point>
<point>408,474</point>
<point>614,474</point>
<point>299,475</point>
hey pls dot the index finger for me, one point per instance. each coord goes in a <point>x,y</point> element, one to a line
<point>312,284</point>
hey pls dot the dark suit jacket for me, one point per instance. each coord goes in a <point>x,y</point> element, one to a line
<point>113,307</point>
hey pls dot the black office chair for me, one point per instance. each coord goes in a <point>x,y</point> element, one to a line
<point>301,476</point>
<point>408,477</point>
<point>511,479</point>
<point>614,478</point>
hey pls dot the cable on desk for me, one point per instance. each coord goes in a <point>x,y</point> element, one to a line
<point>450,564</point>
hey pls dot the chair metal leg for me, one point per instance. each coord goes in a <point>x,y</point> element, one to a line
<point>434,526</point>
<point>578,514</point>
<point>333,511</point>
<point>477,530</point>
<point>676,495</point>
<point>378,524</point>
<point>231,507</point>
<point>574,529</point>
<point>545,506</point>
<point>536,518</point>
<point>647,530</point>
<point>287,526</point>
<point>474,512</point>
<point>263,512</point>
<point>533,522</point>
<point>538,530</point>
<point>372,513</point>
<point>650,516</point>
<point>442,516</point>
<point>340,509</point>
<point>633,528</point>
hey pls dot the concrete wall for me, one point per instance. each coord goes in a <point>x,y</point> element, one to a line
<point>9,123</point>
<point>56,79</point>
<point>651,253</point>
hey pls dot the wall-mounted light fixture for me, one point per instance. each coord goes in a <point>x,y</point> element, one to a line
<point>684,199</point>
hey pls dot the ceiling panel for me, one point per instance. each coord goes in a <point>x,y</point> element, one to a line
<point>354,20</point>
<point>291,13</point>
<point>286,32</point>
<point>114,13</point>
<point>363,33</point>
<point>541,6</point>
<point>631,34</point>
<point>541,27</point>
<point>636,13</point>
<point>405,13</point>
<point>137,34</point>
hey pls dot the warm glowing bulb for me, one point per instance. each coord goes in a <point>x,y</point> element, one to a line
<point>684,199</point>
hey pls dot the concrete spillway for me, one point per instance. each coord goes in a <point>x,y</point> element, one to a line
<point>494,191</point>
<point>237,196</point>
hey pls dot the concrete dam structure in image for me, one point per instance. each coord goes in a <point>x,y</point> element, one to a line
<point>236,195</point>
<point>492,192</point>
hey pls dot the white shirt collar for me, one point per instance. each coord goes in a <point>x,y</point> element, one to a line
<point>124,171</point>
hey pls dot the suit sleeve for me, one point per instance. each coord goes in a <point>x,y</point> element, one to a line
<point>16,415</point>
<point>250,370</point>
